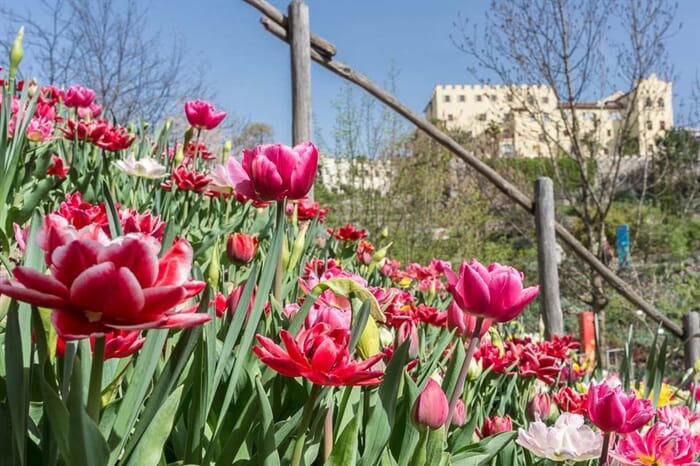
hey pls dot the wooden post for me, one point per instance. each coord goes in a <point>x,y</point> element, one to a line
<point>691,329</point>
<point>547,258</point>
<point>300,36</point>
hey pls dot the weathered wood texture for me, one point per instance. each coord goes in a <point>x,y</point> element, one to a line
<point>301,71</point>
<point>497,180</point>
<point>547,258</point>
<point>691,337</point>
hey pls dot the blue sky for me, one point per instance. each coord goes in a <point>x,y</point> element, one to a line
<point>250,67</point>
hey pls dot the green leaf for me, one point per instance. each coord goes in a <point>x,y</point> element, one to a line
<point>87,446</point>
<point>481,454</point>
<point>16,382</point>
<point>268,451</point>
<point>150,447</point>
<point>347,287</point>
<point>345,447</point>
<point>115,224</point>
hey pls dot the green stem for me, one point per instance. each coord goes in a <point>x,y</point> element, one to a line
<point>459,386</point>
<point>95,387</point>
<point>420,454</point>
<point>603,461</point>
<point>304,426</point>
<point>328,430</point>
<point>279,272</point>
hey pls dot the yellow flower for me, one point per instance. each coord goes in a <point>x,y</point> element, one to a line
<point>665,396</point>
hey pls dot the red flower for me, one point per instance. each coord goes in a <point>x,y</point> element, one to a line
<point>319,354</point>
<point>495,425</point>
<point>114,138</point>
<point>365,251</point>
<point>77,96</point>
<point>348,233</point>
<point>571,401</point>
<point>307,210</point>
<point>272,172</point>
<point>241,248</point>
<point>190,180</point>
<point>95,288</point>
<point>118,344</point>
<point>464,323</point>
<point>202,115</point>
<point>430,408</point>
<point>57,167</point>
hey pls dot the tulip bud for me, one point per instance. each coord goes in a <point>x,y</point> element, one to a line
<point>168,124</point>
<point>241,248</point>
<point>475,369</point>
<point>189,134</point>
<point>495,425</point>
<point>538,407</point>
<point>368,343</point>
<point>408,330</point>
<point>16,53</point>
<point>385,336</point>
<point>179,154</point>
<point>298,246</point>
<point>430,408</point>
<point>459,418</point>
<point>214,267</point>
<point>226,150</point>
<point>384,233</point>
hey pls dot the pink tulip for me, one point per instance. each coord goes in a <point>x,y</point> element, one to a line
<point>659,445</point>
<point>463,323</point>
<point>202,115</point>
<point>460,416</point>
<point>612,410</point>
<point>430,408</point>
<point>241,248</point>
<point>494,293</point>
<point>78,96</point>
<point>495,425</point>
<point>272,172</point>
<point>95,287</point>
<point>538,407</point>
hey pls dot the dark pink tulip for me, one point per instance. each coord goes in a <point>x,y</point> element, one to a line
<point>460,416</point>
<point>495,425</point>
<point>241,248</point>
<point>464,323</point>
<point>538,407</point>
<point>493,293</point>
<point>430,408</point>
<point>202,115</point>
<point>613,410</point>
<point>78,96</point>
<point>272,172</point>
<point>95,288</point>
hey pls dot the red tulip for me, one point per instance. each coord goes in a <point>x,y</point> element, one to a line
<point>190,180</point>
<point>319,354</point>
<point>118,344</point>
<point>495,425</point>
<point>348,233</point>
<point>571,401</point>
<point>202,115</point>
<point>241,248</point>
<point>95,288</point>
<point>613,410</point>
<point>463,323</point>
<point>78,96</point>
<point>494,293</point>
<point>430,408</point>
<point>365,251</point>
<point>57,167</point>
<point>272,172</point>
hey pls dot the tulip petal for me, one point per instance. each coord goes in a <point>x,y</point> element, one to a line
<point>180,320</point>
<point>18,291</point>
<point>40,282</point>
<point>324,356</point>
<point>136,256</point>
<point>174,267</point>
<point>268,183</point>
<point>161,299</point>
<point>74,325</point>
<point>72,259</point>
<point>473,290</point>
<point>302,177</point>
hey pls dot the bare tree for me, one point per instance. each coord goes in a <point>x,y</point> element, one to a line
<point>107,47</point>
<point>570,46</point>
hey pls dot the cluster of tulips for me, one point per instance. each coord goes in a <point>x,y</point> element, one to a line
<point>181,306</point>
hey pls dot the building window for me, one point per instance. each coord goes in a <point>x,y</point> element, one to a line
<point>509,98</point>
<point>543,138</point>
<point>478,98</point>
<point>662,125</point>
<point>482,117</point>
<point>507,150</point>
<point>450,117</point>
<point>447,98</point>
<point>606,151</point>
<point>649,125</point>
<point>545,100</point>
<point>506,117</point>
<point>660,103</point>
<point>493,97</point>
<point>650,149</point>
<point>530,100</point>
<point>609,132</point>
<point>462,98</point>
<point>647,102</point>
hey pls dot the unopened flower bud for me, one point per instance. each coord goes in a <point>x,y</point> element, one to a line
<point>475,369</point>
<point>495,425</point>
<point>459,418</point>
<point>241,248</point>
<point>430,409</point>
<point>368,344</point>
<point>227,149</point>
<point>538,407</point>
<point>384,233</point>
<point>16,53</point>
<point>214,267</point>
<point>298,247</point>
